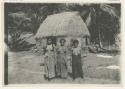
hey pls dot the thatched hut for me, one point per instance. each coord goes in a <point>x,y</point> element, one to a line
<point>67,24</point>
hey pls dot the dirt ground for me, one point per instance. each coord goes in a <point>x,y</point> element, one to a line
<point>25,68</point>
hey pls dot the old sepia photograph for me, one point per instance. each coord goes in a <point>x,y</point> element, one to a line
<point>62,43</point>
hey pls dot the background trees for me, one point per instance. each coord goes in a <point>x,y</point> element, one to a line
<point>103,20</point>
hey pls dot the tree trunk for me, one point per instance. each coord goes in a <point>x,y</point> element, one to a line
<point>100,42</point>
<point>88,20</point>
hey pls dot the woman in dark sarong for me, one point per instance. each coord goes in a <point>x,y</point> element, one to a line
<point>76,60</point>
<point>61,65</point>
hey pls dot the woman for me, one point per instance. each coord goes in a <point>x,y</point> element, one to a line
<point>49,60</point>
<point>76,60</point>
<point>61,66</point>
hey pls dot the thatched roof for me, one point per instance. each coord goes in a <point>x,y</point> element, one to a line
<point>63,24</point>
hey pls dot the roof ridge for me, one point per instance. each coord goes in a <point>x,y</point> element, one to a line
<point>66,12</point>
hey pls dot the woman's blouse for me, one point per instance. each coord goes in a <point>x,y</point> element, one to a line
<point>76,51</point>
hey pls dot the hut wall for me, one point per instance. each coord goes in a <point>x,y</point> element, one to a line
<point>40,44</point>
<point>43,42</point>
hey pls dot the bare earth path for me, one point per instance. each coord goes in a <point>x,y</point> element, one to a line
<point>24,68</point>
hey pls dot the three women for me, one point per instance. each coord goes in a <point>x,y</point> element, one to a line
<point>56,60</point>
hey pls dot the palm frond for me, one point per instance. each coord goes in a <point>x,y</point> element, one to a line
<point>109,9</point>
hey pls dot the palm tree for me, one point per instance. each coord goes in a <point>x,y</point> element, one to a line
<point>100,19</point>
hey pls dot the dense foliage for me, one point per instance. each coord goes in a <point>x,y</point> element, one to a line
<point>103,20</point>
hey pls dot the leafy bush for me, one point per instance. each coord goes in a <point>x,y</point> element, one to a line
<point>18,44</point>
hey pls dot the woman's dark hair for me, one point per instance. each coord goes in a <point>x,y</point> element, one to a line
<point>52,38</point>
<point>62,40</point>
<point>49,39</point>
<point>75,41</point>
